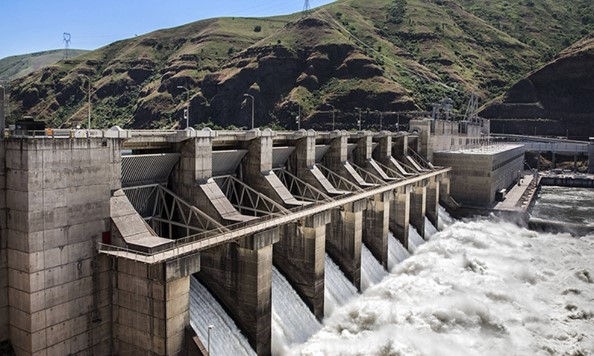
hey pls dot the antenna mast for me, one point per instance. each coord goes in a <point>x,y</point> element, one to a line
<point>66,37</point>
<point>306,8</point>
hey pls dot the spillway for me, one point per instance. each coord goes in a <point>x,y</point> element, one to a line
<point>292,321</point>
<point>205,310</point>
<point>396,252</point>
<point>337,288</point>
<point>372,271</point>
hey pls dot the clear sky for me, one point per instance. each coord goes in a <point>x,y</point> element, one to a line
<point>28,26</point>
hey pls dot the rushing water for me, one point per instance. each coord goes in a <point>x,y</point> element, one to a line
<point>225,337</point>
<point>414,239</point>
<point>292,321</point>
<point>372,271</point>
<point>573,205</point>
<point>396,252</point>
<point>479,287</point>
<point>337,288</point>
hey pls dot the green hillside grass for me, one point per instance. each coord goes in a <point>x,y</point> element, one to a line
<point>388,53</point>
<point>14,67</point>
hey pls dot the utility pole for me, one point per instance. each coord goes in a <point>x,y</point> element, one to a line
<point>187,110</point>
<point>333,117</point>
<point>359,120</point>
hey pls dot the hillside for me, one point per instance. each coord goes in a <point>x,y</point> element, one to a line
<point>15,67</point>
<point>385,55</point>
<point>556,99</point>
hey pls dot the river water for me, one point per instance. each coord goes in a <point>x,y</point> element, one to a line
<point>479,287</point>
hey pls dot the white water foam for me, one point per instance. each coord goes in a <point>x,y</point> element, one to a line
<point>337,288</point>
<point>480,287</point>
<point>445,219</point>
<point>225,337</point>
<point>292,321</point>
<point>372,271</point>
<point>396,252</point>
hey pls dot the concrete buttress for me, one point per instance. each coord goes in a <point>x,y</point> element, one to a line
<point>343,240</point>
<point>376,226</point>
<point>240,275</point>
<point>433,201</point>
<point>400,214</point>
<point>418,207</point>
<point>300,256</point>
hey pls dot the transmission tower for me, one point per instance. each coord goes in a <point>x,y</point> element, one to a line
<point>306,8</point>
<point>66,37</point>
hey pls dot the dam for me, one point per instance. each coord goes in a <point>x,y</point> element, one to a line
<point>102,231</point>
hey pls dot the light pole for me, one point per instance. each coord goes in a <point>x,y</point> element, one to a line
<point>298,118</point>
<point>209,329</point>
<point>381,114</point>
<point>89,100</point>
<point>333,117</point>
<point>187,113</point>
<point>251,97</point>
<point>359,120</point>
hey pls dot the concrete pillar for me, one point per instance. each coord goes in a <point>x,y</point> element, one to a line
<point>383,151</point>
<point>362,153</point>
<point>151,305</point>
<point>591,156</point>
<point>300,256</point>
<point>376,226</point>
<point>423,127</point>
<point>58,289</point>
<point>433,200</point>
<point>418,207</point>
<point>4,334</point>
<point>400,214</point>
<point>343,240</point>
<point>400,145</point>
<point>240,275</point>
<point>336,155</point>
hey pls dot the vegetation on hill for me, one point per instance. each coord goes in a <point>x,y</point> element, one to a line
<point>15,67</point>
<point>384,55</point>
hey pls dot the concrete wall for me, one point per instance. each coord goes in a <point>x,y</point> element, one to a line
<point>58,290</point>
<point>591,156</point>
<point>473,171</point>
<point>4,335</point>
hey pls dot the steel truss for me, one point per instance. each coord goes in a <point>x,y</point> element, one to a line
<point>391,172</point>
<point>168,214</point>
<point>300,188</point>
<point>337,181</point>
<point>419,160</point>
<point>367,176</point>
<point>247,200</point>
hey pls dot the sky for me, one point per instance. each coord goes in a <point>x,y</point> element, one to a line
<point>28,26</point>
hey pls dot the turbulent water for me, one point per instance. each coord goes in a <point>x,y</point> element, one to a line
<point>225,337</point>
<point>396,252</point>
<point>479,287</point>
<point>573,205</point>
<point>372,271</point>
<point>337,288</point>
<point>292,321</point>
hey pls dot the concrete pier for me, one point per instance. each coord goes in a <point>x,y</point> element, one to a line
<point>376,226</point>
<point>432,200</point>
<point>240,275</point>
<point>591,156</point>
<point>400,214</point>
<point>300,256</point>
<point>418,207</point>
<point>344,236</point>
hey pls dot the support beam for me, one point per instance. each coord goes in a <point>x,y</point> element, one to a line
<point>300,256</point>
<point>240,275</point>
<point>376,226</point>
<point>418,207</point>
<point>343,240</point>
<point>400,214</point>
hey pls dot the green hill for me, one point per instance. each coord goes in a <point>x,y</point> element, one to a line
<point>14,67</point>
<point>385,55</point>
<point>554,100</point>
